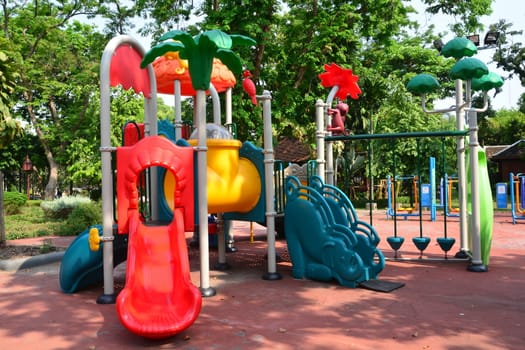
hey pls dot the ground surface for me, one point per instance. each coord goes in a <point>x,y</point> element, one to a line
<point>441,306</point>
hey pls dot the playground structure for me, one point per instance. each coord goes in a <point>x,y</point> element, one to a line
<point>517,196</point>
<point>231,183</point>
<point>167,185</point>
<point>157,275</point>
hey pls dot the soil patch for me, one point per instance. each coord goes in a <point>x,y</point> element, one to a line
<point>22,251</point>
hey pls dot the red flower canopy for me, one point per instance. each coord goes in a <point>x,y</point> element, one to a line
<point>335,75</point>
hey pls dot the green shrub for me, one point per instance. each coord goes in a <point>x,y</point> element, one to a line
<point>61,208</point>
<point>81,217</point>
<point>13,201</point>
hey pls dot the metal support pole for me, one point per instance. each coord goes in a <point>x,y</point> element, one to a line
<point>462,173</point>
<point>200,115</point>
<point>228,224</point>
<point>329,179</point>
<point>272,273</point>
<point>177,109</point>
<point>476,263</point>
<point>319,136</point>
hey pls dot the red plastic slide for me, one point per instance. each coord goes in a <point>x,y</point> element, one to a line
<point>159,299</point>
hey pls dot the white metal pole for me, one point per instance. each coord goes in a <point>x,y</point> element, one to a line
<point>474,191</point>
<point>108,296</point>
<point>177,92</point>
<point>200,114</point>
<point>475,221</point>
<point>319,136</point>
<point>228,106</point>
<point>228,224</point>
<point>266,99</point>
<point>462,172</point>
<point>329,147</point>
<point>216,105</point>
<point>150,113</point>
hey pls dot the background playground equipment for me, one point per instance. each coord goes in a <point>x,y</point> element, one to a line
<point>517,196</point>
<point>408,187</point>
<point>448,194</point>
<point>325,238</point>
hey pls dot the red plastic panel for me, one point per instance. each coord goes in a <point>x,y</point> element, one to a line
<point>125,70</point>
<point>148,152</point>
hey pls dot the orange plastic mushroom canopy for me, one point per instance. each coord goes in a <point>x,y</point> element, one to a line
<point>125,70</point>
<point>170,67</point>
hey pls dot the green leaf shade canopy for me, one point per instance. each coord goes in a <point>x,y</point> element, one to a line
<point>487,82</point>
<point>200,51</point>
<point>422,84</point>
<point>468,68</point>
<point>458,48</point>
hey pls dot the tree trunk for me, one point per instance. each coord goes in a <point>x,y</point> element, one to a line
<point>2,223</point>
<point>51,186</point>
<point>53,166</point>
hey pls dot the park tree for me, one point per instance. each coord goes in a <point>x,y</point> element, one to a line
<point>464,14</point>
<point>9,128</point>
<point>504,128</point>
<point>521,103</point>
<point>58,73</point>
<point>58,59</point>
<point>509,54</point>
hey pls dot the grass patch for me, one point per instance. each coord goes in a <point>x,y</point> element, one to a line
<point>30,222</point>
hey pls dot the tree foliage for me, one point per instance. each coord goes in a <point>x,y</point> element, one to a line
<point>466,13</point>
<point>57,58</point>
<point>509,55</point>
<point>9,128</point>
<point>505,128</point>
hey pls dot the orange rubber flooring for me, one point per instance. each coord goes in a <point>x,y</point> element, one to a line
<point>441,306</point>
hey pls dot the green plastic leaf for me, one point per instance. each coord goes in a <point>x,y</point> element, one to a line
<point>206,45</point>
<point>422,84</point>
<point>161,49</point>
<point>176,35</point>
<point>487,82</point>
<point>458,48</point>
<point>220,39</point>
<point>231,60</point>
<point>242,40</point>
<point>468,69</point>
<point>201,66</point>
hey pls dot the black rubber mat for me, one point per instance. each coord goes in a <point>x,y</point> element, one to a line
<point>381,286</point>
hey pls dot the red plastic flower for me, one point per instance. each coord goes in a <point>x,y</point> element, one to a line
<point>335,75</point>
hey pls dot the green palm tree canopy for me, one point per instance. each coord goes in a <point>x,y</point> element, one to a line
<point>458,48</point>
<point>487,82</point>
<point>200,51</point>
<point>468,69</point>
<point>422,84</point>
